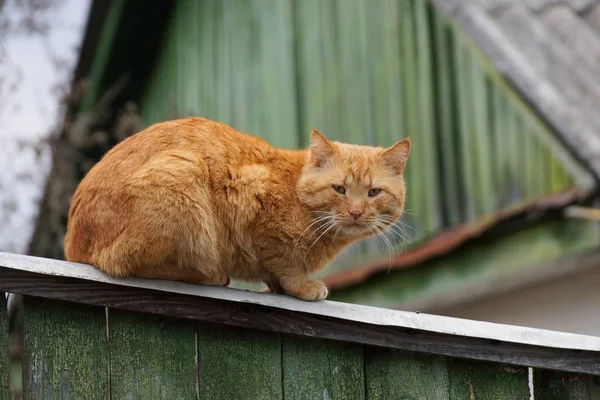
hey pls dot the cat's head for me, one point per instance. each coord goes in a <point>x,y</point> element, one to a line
<point>353,190</point>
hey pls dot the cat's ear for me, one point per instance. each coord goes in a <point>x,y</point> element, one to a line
<point>396,156</point>
<point>321,149</point>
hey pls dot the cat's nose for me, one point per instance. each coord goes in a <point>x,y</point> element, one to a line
<point>355,213</point>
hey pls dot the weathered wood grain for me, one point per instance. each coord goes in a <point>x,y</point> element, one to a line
<point>404,375</point>
<point>238,363</point>
<point>65,355</point>
<point>315,369</point>
<point>151,357</point>
<point>549,385</point>
<point>263,317</point>
<point>486,381</point>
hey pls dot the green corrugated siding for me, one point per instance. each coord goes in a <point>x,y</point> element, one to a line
<point>368,73</point>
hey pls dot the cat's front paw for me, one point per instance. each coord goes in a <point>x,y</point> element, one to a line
<point>311,291</point>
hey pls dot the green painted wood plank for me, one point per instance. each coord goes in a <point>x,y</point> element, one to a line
<point>178,59</point>
<point>237,363</point>
<point>220,69</point>
<point>355,89</point>
<point>314,369</point>
<point>534,165</point>
<point>151,357</point>
<point>427,152</point>
<point>462,71</point>
<point>237,18</point>
<point>446,118</point>
<point>482,139</point>
<point>189,34</point>
<point>515,124</point>
<point>65,355</point>
<point>501,158</point>
<point>209,17</point>
<point>487,381</point>
<point>274,69</point>
<point>335,122</point>
<point>549,385</point>
<point>187,68</point>
<point>392,374</point>
<point>414,182</point>
<point>4,343</point>
<point>310,77</point>
<point>109,30</point>
<point>527,149</point>
<point>385,71</point>
<point>228,32</point>
<point>169,81</point>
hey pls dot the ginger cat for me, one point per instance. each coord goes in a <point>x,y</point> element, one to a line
<point>194,200</point>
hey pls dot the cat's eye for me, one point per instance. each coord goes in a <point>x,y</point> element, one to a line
<point>339,188</point>
<point>374,192</point>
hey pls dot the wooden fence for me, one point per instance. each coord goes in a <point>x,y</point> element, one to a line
<point>88,336</point>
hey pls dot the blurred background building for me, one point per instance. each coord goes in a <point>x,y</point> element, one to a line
<point>500,99</point>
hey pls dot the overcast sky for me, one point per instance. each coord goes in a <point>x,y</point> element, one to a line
<point>29,116</point>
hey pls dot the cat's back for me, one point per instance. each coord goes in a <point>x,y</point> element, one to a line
<point>194,139</point>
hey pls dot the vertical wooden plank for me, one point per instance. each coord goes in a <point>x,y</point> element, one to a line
<point>65,353</point>
<point>482,138</point>
<point>392,374</point>
<point>546,178</point>
<point>308,63</point>
<point>331,65</point>
<point>238,18</point>
<point>237,363</point>
<point>500,121</point>
<point>314,369</point>
<point>4,344</point>
<point>208,57</point>
<point>462,74</point>
<point>427,152</point>
<point>151,357</point>
<point>356,96</point>
<point>513,193</point>
<point>189,68</point>
<point>483,380</point>
<point>446,111</point>
<point>275,73</point>
<point>565,386</point>
<point>414,182</point>
<point>385,71</point>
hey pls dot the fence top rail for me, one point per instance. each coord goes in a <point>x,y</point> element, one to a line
<point>344,311</point>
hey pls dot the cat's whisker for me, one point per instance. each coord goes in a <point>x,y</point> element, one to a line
<point>381,234</point>
<point>399,233</point>
<point>395,222</point>
<point>337,232</point>
<point>393,230</point>
<point>332,224</point>
<point>317,220</point>
<point>405,225</point>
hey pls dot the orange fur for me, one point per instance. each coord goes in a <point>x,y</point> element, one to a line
<point>196,201</point>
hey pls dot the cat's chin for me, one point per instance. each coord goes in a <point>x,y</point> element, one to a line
<point>356,229</point>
